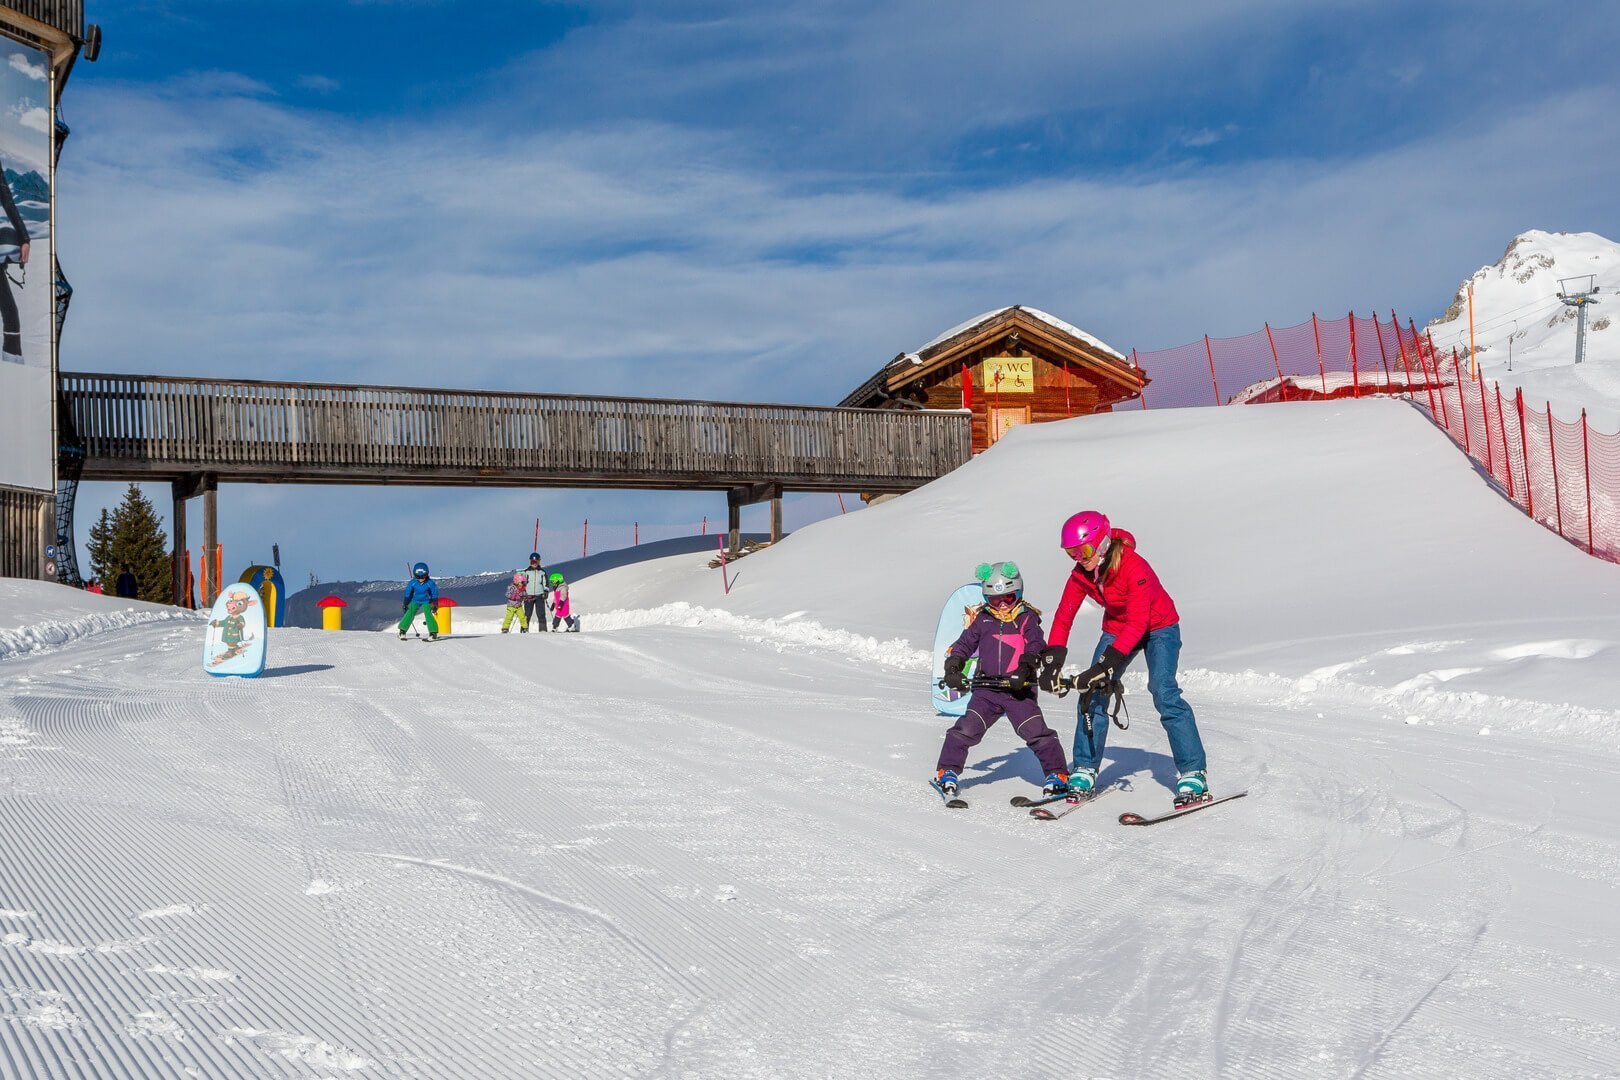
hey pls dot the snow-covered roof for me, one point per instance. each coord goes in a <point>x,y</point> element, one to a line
<point>1050,320</point>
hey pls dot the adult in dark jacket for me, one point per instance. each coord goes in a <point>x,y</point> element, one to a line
<point>126,585</point>
<point>534,594</point>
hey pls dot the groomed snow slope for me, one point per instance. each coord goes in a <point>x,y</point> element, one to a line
<point>706,850</point>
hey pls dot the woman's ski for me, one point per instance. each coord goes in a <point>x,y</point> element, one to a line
<point>1040,813</point>
<point>1138,819</point>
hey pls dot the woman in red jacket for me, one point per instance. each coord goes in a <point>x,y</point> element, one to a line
<point>1138,617</point>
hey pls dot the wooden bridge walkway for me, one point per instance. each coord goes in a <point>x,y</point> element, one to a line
<point>197,433</point>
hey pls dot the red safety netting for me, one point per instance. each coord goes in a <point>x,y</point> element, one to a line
<point>1561,473</point>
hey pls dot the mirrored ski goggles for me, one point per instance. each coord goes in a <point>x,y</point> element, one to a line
<point>1082,552</point>
<point>1004,600</point>
<point>986,571</point>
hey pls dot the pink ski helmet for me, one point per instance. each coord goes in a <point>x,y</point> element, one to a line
<point>520,579</point>
<point>1086,534</point>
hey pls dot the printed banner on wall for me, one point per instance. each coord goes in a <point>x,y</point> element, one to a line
<point>25,267</point>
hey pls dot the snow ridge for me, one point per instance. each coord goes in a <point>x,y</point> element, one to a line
<point>782,633</point>
<point>50,635</point>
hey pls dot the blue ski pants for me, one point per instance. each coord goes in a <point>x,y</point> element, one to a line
<point>1162,650</point>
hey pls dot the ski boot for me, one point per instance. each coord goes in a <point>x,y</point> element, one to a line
<point>433,637</point>
<point>1191,788</point>
<point>947,782</point>
<point>1056,783</point>
<point>1082,784</point>
<point>402,635</point>
<point>523,630</point>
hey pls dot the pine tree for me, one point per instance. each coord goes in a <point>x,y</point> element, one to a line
<point>103,567</point>
<point>137,538</point>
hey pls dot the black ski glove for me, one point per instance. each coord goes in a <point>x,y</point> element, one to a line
<point>404,606</point>
<point>1051,665</point>
<point>1021,678</point>
<point>954,677</point>
<point>1103,670</point>
<point>433,606</point>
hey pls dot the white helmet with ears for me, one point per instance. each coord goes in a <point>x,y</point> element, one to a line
<point>1000,579</point>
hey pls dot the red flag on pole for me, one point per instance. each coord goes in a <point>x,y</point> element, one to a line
<point>967,387</point>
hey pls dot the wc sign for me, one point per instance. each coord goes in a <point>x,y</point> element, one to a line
<point>1009,374</point>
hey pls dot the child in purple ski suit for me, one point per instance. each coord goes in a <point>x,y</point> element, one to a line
<point>1006,635</point>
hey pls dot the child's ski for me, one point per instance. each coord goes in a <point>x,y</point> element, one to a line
<point>1024,801</point>
<point>1138,819</point>
<point>1040,813</point>
<point>951,801</point>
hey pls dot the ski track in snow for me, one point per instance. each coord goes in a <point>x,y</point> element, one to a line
<point>628,855</point>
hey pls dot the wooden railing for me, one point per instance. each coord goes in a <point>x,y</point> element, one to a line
<point>135,427</point>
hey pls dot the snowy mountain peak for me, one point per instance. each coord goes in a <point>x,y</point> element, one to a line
<point>1524,335</point>
<point>1536,259</point>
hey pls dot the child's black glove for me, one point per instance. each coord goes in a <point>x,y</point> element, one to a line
<point>405,605</point>
<point>1051,665</point>
<point>1021,678</point>
<point>954,677</point>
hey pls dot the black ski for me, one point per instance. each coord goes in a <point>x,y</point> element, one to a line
<point>1138,819</point>
<point>1024,801</point>
<point>951,801</point>
<point>1042,814</point>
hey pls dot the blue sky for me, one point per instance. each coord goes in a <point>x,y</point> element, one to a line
<point>765,202</point>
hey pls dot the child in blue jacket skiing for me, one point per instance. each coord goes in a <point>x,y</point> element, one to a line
<point>1005,633</point>
<point>421,594</point>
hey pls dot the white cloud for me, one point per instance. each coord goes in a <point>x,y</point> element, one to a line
<point>20,63</point>
<point>320,84</point>
<point>36,118</point>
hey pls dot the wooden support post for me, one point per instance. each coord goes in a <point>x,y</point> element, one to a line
<point>210,581</point>
<point>733,525</point>
<point>178,569</point>
<point>776,516</point>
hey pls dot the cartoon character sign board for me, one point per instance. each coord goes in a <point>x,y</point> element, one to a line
<point>234,644</point>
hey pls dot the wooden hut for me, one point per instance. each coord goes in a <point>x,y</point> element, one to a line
<point>1012,366</point>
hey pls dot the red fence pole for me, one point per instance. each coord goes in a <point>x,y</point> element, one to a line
<point>703,530</point>
<point>1484,417</point>
<point>1355,363</point>
<point>536,535</point>
<point>637,541</point>
<point>1275,362</point>
<point>1211,354</point>
<point>841,509</point>
<point>1400,343</point>
<point>1586,467</point>
<point>1383,350</point>
<point>1317,330</point>
<point>1435,357</point>
<point>1501,422</point>
<point>1552,447</point>
<point>585,539</point>
<point>1456,369</point>
<point>1524,454</point>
